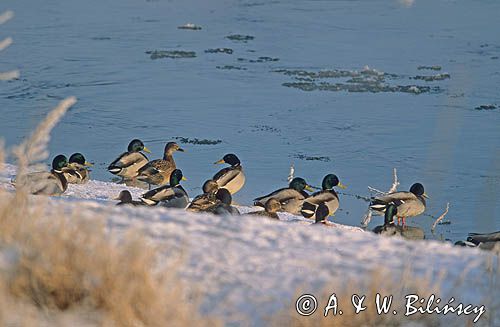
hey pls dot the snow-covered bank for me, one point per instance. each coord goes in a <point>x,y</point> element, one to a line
<point>250,267</point>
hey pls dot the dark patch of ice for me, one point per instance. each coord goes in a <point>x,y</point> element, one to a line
<point>240,38</point>
<point>230,67</point>
<point>220,50</point>
<point>429,68</point>
<point>196,141</point>
<point>311,158</point>
<point>173,54</point>
<point>486,107</point>
<point>189,26</point>
<point>431,78</point>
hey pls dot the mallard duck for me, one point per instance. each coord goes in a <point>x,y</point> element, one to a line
<point>46,183</point>
<point>389,229</point>
<point>126,198</point>
<point>205,200</point>
<point>128,164</point>
<point>76,172</point>
<point>172,195</point>
<point>409,204</point>
<point>157,172</point>
<point>231,178</point>
<point>223,205</point>
<point>271,209</point>
<point>321,215</point>
<point>291,198</point>
<point>487,241</point>
<point>327,196</point>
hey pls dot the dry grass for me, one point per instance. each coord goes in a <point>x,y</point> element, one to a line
<point>60,269</point>
<point>385,283</point>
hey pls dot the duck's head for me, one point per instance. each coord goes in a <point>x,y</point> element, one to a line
<point>210,187</point>
<point>78,158</point>
<point>230,159</point>
<point>418,190</point>
<point>322,213</point>
<point>136,146</point>
<point>272,205</point>
<point>390,211</point>
<point>124,197</point>
<point>176,177</point>
<point>300,184</point>
<point>60,161</point>
<point>171,147</point>
<point>330,181</point>
<point>224,196</point>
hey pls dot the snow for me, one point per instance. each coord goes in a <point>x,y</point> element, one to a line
<point>249,267</point>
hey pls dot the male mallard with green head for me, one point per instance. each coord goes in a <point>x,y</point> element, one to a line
<point>128,163</point>
<point>291,198</point>
<point>157,172</point>
<point>77,172</point>
<point>327,196</point>
<point>231,178</point>
<point>409,204</point>
<point>46,183</point>
<point>172,195</point>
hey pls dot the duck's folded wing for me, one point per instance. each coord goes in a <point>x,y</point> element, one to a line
<point>490,237</point>
<point>127,159</point>
<point>321,197</point>
<point>226,175</point>
<point>283,195</point>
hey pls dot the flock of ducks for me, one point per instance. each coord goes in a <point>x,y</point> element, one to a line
<point>133,165</point>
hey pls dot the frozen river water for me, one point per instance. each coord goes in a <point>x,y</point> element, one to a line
<point>350,87</point>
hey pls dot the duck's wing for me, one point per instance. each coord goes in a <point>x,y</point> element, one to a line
<point>489,237</point>
<point>75,173</point>
<point>226,175</point>
<point>202,202</point>
<point>125,160</point>
<point>45,183</point>
<point>398,198</point>
<point>283,195</point>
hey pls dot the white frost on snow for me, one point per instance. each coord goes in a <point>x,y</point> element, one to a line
<point>249,267</point>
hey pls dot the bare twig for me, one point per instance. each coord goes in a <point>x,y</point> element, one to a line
<point>291,174</point>
<point>368,215</point>
<point>6,16</point>
<point>395,182</point>
<point>440,217</point>
<point>7,76</point>
<point>5,43</point>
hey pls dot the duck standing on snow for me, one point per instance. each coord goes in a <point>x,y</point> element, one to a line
<point>389,229</point>
<point>126,198</point>
<point>206,200</point>
<point>409,204</point>
<point>170,196</point>
<point>157,172</point>
<point>291,198</point>
<point>271,209</point>
<point>223,205</point>
<point>77,172</point>
<point>46,183</point>
<point>128,163</point>
<point>231,178</point>
<point>326,196</point>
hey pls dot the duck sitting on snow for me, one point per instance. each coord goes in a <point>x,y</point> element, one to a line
<point>128,163</point>
<point>172,195</point>
<point>157,172</point>
<point>271,209</point>
<point>390,229</point>
<point>223,205</point>
<point>46,183</point>
<point>231,178</point>
<point>206,200</point>
<point>326,196</point>
<point>409,204</point>
<point>77,172</point>
<point>487,241</point>
<point>291,198</point>
<point>126,198</point>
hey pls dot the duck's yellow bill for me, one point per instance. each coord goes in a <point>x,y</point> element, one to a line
<point>184,178</point>
<point>88,164</point>
<point>309,188</point>
<point>219,162</point>
<point>425,196</point>
<point>342,186</point>
<point>147,150</point>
